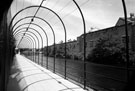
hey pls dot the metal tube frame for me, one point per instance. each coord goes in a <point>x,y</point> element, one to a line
<point>127,41</point>
<point>31,36</point>
<point>48,25</point>
<point>127,38</point>
<point>29,43</point>
<point>36,32</point>
<point>34,42</point>
<point>57,17</point>
<point>44,33</point>
<point>32,45</point>
<point>84,41</point>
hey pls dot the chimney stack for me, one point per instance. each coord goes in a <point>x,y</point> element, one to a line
<point>132,16</point>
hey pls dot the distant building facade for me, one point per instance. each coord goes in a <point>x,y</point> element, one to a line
<point>75,48</point>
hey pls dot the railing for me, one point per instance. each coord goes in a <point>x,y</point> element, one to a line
<point>87,74</point>
<point>98,76</point>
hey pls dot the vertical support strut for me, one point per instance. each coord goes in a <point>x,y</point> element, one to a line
<point>84,42</point>
<point>127,39</point>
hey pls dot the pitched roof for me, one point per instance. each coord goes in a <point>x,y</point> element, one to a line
<point>121,21</point>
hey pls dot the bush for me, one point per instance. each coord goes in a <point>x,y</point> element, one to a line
<point>108,50</point>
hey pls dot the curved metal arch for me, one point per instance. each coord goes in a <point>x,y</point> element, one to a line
<point>35,31</point>
<point>43,8</point>
<point>48,25</point>
<point>127,39</point>
<point>35,25</point>
<point>28,42</point>
<point>32,36</point>
<point>31,33</point>
<point>53,13</point>
<point>31,29</point>
<point>45,35</point>
<point>84,42</point>
<point>26,37</point>
<point>32,44</point>
<point>125,23</point>
<point>33,41</point>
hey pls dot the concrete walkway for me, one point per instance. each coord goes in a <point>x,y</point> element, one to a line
<point>32,77</point>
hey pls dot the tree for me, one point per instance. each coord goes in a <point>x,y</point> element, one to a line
<point>60,51</point>
<point>108,50</point>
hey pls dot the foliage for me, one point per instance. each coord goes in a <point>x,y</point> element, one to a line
<point>108,50</point>
<point>60,51</point>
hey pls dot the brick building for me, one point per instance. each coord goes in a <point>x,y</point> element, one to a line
<point>75,48</point>
<point>118,31</point>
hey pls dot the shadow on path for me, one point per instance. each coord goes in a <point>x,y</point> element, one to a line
<point>12,83</point>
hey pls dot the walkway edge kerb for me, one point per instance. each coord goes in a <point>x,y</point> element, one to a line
<point>41,82</point>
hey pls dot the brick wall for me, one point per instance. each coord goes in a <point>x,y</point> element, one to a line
<point>75,48</point>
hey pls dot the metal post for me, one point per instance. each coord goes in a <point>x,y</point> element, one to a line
<point>65,60</point>
<point>127,39</point>
<point>42,29</point>
<point>47,57</point>
<point>34,30</point>
<point>32,20</point>
<point>54,59</point>
<point>84,36</point>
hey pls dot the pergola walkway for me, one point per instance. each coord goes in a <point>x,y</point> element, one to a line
<point>28,76</point>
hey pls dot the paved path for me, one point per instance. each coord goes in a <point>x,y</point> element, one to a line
<point>32,77</point>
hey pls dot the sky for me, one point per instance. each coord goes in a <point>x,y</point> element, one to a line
<point>98,14</point>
